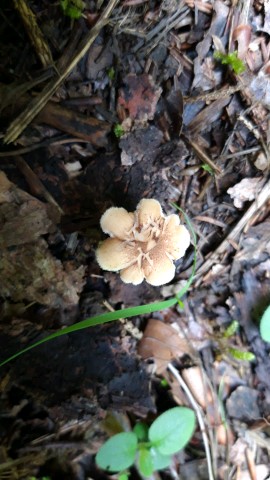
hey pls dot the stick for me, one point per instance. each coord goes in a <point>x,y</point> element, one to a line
<point>23,120</point>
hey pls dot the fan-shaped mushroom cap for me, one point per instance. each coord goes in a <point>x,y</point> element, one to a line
<point>133,274</point>
<point>162,271</point>
<point>114,254</point>
<point>148,210</point>
<point>176,237</point>
<point>117,222</point>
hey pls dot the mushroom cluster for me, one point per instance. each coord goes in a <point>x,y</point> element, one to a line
<point>143,244</point>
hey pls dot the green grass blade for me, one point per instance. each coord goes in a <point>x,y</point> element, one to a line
<point>99,320</point>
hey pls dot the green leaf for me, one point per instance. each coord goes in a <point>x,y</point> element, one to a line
<point>123,476</point>
<point>111,73</point>
<point>265,325</point>
<point>231,59</point>
<point>230,331</point>
<point>118,130</point>
<point>207,168</point>
<point>145,462</point>
<point>72,8</point>
<point>160,461</point>
<point>172,430</point>
<point>164,383</point>
<point>240,355</point>
<point>117,453</point>
<point>141,431</point>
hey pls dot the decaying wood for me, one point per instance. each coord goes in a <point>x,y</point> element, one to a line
<point>21,122</point>
<point>74,123</point>
<point>215,95</point>
<point>37,188</point>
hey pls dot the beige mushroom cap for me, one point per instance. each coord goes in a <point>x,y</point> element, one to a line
<point>149,210</point>
<point>117,222</point>
<point>114,255</point>
<point>176,237</point>
<point>143,244</point>
<point>162,271</point>
<point>133,274</point>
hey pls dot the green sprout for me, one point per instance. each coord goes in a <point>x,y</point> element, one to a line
<point>118,130</point>
<point>150,449</point>
<point>231,329</point>
<point>111,73</point>
<point>164,383</point>
<point>72,8</point>
<point>208,169</point>
<point>232,60</point>
<point>231,349</point>
<point>265,325</point>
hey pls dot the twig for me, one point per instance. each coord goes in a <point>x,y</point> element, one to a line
<point>35,184</point>
<point>197,409</point>
<point>21,122</point>
<point>127,324</point>
<point>57,140</point>
<point>202,155</point>
<point>215,95</point>
<point>35,34</point>
<point>262,198</point>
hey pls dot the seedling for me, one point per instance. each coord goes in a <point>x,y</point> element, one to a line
<point>149,449</point>
<point>208,169</point>
<point>265,325</point>
<point>111,73</point>
<point>118,130</point>
<point>231,349</point>
<point>72,8</point>
<point>232,60</point>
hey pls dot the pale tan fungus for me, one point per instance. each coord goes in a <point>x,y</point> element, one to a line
<point>143,244</point>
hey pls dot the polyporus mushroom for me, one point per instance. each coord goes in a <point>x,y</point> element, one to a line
<point>143,244</point>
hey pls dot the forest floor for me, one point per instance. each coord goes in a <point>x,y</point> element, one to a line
<point>162,99</point>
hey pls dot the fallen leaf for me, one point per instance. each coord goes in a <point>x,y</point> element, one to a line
<point>245,191</point>
<point>162,343</point>
<point>139,96</point>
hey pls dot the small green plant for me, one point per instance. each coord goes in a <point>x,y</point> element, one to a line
<point>118,130</point>
<point>111,73</point>
<point>207,168</point>
<point>72,8</point>
<point>265,325</point>
<point>231,349</point>
<point>150,449</point>
<point>232,60</point>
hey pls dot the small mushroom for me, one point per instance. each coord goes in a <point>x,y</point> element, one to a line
<point>143,244</point>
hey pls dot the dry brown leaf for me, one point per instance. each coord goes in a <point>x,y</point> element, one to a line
<point>242,35</point>
<point>245,191</point>
<point>194,380</point>
<point>162,343</point>
<point>139,96</point>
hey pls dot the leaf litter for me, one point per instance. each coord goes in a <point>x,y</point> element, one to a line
<point>195,132</point>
